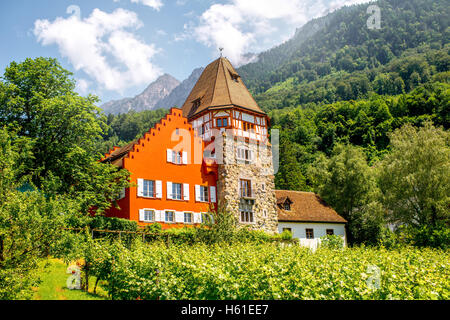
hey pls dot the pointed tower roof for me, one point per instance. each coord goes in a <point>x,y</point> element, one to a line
<point>219,86</point>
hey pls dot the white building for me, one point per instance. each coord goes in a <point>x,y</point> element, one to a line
<point>308,217</point>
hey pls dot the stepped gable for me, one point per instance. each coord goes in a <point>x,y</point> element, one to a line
<point>305,207</point>
<point>219,86</point>
<point>117,154</point>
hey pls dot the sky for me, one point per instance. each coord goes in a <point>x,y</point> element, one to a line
<point>116,48</point>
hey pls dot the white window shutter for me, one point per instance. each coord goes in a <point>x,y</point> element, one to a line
<point>179,216</point>
<point>169,190</point>
<point>185,158</point>
<point>186,191</point>
<point>197,192</point>
<point>141,215</point>
<point>212,192</point>
<point>140,188</point>
<point>158,189</point>
<point>158,215</point>
<point>197,216</point>
<point>169,155</point>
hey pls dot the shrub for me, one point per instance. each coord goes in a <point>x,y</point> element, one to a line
<point>332,242</point>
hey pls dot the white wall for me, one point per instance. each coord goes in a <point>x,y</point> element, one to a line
<point>320,230</point>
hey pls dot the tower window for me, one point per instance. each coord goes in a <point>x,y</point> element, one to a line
<point>246,188</point>
<point>222,122</point>
<point>246,217</point>
<point>248,126</point>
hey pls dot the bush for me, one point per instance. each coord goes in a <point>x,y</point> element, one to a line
<point>153,228</point>
<point>113,223</point>
<point>332,242</point>
<point>438,237</point>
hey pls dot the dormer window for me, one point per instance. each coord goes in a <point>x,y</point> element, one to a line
<point>196,103</point>
<point>234,76</point>
<point>284,203</point>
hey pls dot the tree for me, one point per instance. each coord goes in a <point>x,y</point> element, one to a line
<point>289,176</point>
<point>37,97</point>
<point>414,178</point>
<point>346,182</point>
<point>29,222</point>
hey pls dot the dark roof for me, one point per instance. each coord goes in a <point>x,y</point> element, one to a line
<point>117,155</point>
<point>219,86</point>
<point>305,207</point>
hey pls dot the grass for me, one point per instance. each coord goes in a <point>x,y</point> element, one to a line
<point>53,284</point>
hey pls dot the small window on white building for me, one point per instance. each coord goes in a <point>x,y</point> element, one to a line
<point>287,229</point>
<point>309,233</point>
<point>330,232</point>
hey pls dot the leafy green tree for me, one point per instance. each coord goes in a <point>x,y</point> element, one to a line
<point>29,222</point>
<point>346,182</point>
<point>37,97</point>
<point>414,177</point>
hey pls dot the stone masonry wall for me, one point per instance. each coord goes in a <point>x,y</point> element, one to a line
<point>259,171</point>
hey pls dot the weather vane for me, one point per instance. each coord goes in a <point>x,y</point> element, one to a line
<point>220,49</point>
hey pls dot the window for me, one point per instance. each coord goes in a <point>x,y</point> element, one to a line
<point>188,217</point>
<point>244,154</point>
<point>246,189</point>
<point>177,193</point>
<point>204,194</point>
<point>263,186</point>
<point>246,217</point>
<point>287,206</point>
<point>169,215</point>
<point>149,215</point>
<point>222,122</point>
<point>149,188</point>
<point>287,229</point>
<point>177,157</point>
<point>246,210</point>
<point>309,233</point>
<point>202,129</point>
<point>330,232</point>
<point>248,126</point>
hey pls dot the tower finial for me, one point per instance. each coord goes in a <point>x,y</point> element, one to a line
<point>221,49</point>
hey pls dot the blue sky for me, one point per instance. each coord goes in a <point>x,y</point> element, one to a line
<point>115,48</point>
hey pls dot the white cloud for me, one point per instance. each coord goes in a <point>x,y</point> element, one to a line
<point>90,43</point>
<point>242,26</point>
<point>82,86</point>
<point>155,4</point>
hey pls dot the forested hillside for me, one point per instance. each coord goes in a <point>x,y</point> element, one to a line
<point>344,59</point>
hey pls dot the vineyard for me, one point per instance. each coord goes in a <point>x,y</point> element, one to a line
<point>269,271</point>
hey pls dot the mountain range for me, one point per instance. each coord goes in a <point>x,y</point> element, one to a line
<point>164,93</point>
